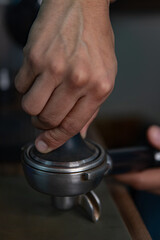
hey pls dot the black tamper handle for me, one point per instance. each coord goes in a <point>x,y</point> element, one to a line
<point>133,159</point>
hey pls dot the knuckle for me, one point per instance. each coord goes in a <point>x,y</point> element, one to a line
<point>33,57</point>
<point>28,107</point>
<point>106,86</point>
<point>57,68</point>
<point>69,128</point>
<point>48,120</point>
<point>103,87</point>
<point>52,138</point>
<point>79,78</point>
<point>43,118</point>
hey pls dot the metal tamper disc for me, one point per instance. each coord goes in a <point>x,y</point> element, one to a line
<point>69,174</point>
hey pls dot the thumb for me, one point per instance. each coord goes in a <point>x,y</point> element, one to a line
<point>51,139</point>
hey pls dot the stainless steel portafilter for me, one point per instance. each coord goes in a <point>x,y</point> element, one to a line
<point>70,173</point>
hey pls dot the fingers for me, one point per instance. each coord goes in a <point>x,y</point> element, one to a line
<point>148,179</point>
<point>153,135</point>
<point>24,78</point>
<point>36,98</point>
<point>145,180</point>
<point>85,128</point>
<point>70,126</point>
<point>59,105</point>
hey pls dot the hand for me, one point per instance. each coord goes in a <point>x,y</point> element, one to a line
<point>148,180</point>
<point>69,68</point>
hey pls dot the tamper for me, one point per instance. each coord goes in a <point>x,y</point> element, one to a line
<point>69,174</point>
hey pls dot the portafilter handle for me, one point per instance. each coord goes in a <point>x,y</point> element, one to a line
<point>133,159</point>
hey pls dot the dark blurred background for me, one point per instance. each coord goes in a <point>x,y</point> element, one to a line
<point>135,101</point>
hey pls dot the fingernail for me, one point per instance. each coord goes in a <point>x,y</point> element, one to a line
<point>42,146</point>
